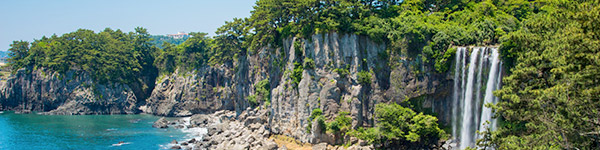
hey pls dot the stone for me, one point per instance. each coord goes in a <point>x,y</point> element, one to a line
<point>255,126</point>
<point>179,126</point>
<point>199,120</point>
<point>193,140</point>
<point>23,112</point>
<point>252,120</point>
<point>282,147</point>
<point>176,147</point>
<point>320,146</point>
<point>269,145</point>
<point>206,139</point>
<point>174,142</point>
<point>250,139</point>
<point>241,146</point>
<point>161,123</point>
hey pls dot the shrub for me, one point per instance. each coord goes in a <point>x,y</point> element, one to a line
<point>441,64</point>
<point>397,124</point>
<point>342,72</point>
<point>252,100</point>
<point>263,89</point>
<point>364,77</point>
<point>341,124</point>
<point>309,63</point>
<point>316,113</point>
<point>297,74</point>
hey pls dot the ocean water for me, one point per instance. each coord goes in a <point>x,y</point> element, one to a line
<point>87,132</point>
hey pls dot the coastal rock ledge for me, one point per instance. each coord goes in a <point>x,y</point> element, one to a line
<point>72,93</point>
<point>249,130</point>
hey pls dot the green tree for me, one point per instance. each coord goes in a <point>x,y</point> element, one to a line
<point>401,127</point>
<point>19,50</point>
<point>551,99</point>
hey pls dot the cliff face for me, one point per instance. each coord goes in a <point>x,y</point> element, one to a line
<point>183,93</point>
<point>333,84</point>
<point>331,90</point>
<point>325,88</point>
<point>73,93</point>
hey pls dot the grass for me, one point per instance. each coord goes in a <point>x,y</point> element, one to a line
<point>290,143</point>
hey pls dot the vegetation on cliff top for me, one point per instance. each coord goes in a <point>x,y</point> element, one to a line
<point>109,56</point>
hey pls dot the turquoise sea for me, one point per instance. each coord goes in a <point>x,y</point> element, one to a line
<point>87,132</point>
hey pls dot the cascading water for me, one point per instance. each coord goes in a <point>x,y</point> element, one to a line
<point>469,113</point>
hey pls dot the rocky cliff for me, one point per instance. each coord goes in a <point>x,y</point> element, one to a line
<point>329,79</point>
<point>72,93</point>
<point>184,93</point>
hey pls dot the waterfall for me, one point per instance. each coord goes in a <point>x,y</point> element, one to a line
<point>486,113</point>
<point>469,113</point>
<point>457,89</point>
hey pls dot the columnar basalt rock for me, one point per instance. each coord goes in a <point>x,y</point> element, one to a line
<point>72,93</point>
<point>182,93</point>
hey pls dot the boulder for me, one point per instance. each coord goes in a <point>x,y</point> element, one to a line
<point>269,145</point>
<point>255,126</point>
<point>161,123</point>
<point>216,129</point>
<point>199,120</point>
<point>282,147</point>
<point>179,126</point>
<point>192,140</point>
<point>23,112</point>
<point>176,147</point>
<point>174,142</point>
<point>252,120</point>
<point>320,146</point>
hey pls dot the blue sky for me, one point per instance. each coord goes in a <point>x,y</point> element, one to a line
<point>31,19</point>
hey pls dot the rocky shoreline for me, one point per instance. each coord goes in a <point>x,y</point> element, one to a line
<point>226,130</point>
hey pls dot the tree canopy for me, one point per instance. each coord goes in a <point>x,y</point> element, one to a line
<point>551,99</point>
<point>109,56</point>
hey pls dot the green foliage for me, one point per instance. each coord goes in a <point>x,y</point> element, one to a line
<point>343,72</point>
<point>19,50</point>
<point>108,56</point>
<point>551,98</point>
<point>341,124</point>
<point>309,63</point>
<point>200,50</point>
<point>297,73</point>
<point>263,90</point>
<point>441,64</point>
<point>399,126</point>
<point>230,42</point>
<point>364,77</point>
<point>252,100</point>
<point>316,113</point>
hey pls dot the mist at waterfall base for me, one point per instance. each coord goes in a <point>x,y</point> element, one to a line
<point>477,74</point>
<point>49,132</point>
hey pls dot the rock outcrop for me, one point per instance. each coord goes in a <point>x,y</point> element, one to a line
<point>72,93</point>
<point>161,123</point>
<point>204,90</point>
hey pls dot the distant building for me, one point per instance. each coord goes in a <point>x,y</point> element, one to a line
<point>178,35</point>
